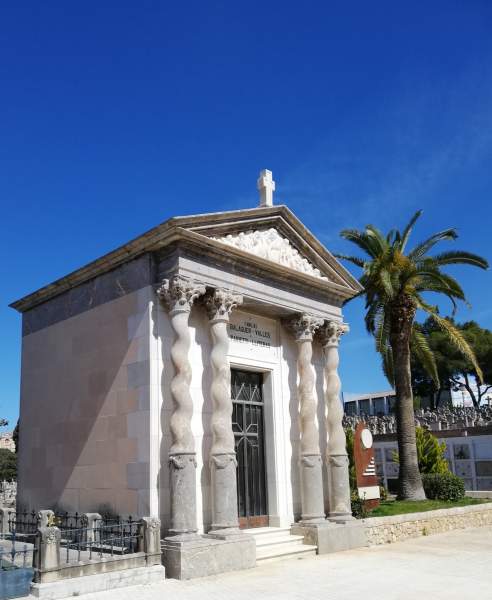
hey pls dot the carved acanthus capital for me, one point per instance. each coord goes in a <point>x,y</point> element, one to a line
<point>179,293</point>
<point>220,302</point>
<point>303,326</point>
<point>331,332</point>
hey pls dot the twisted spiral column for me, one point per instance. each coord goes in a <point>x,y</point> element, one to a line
<point>223,462</point>
<point>178,295</point>
<point>337,461</point>
<point>310,462</point>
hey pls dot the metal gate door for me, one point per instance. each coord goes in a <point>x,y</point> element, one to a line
<point>247,425</point>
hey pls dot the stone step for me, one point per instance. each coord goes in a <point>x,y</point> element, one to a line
<point>260,531</point>
<point>270,553</point>
<point>273,540</point>
<point>276,543</point>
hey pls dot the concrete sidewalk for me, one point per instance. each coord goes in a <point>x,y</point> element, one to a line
<point>456,565</point>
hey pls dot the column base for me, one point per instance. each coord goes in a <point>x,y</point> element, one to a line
<point>223,533</point>
<point>224,492</point>
<point>312,489</point>
<point>182,536</point>
<point>208,555</point>
<point>331,537</point>
<point>340,518</point>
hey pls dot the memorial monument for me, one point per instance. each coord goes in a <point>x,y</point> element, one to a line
<point>191,375</point>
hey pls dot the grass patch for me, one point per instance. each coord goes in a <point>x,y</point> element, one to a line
<point>402,507</point>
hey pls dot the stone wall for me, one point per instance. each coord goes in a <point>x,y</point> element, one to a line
<point>84,410</point>
<point>386,530</point>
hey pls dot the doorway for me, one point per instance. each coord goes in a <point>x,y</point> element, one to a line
<point>248,428</point>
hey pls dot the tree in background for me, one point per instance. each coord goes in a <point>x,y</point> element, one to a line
<point>394,283</point>
<point>15,436</point>
<point>454,369</point>
<point>8,465</point>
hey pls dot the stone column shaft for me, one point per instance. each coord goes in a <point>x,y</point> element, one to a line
<point>223,461</point>
<point>178,294</point>
<point>337,461</point>
<point>310,462</point>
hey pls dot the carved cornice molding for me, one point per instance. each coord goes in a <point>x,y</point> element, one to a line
<point>331,332</point>
<point>178,293</point>
<point>220,302</point>
<point>270,245</point>
<point>303,326</point>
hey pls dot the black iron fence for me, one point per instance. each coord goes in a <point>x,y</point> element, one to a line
<point>15,553</point>
<point>100,541</point>
<point>23,522</point>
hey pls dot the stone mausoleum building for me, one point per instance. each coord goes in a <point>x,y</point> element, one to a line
<point>191,375</point>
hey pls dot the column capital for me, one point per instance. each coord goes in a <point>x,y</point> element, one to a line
<point>179,292</point>
<point>331,332</point>
<point>303,326</point>
<point>220,303</point>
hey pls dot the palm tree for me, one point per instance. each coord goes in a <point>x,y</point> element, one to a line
<point>394,283</point>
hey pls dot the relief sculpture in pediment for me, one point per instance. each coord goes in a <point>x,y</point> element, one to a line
<point>270,245</point>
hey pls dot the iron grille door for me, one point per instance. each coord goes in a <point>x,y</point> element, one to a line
<point>247,425</point>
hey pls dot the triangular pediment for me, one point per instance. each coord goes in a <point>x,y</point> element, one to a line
<point>271,245</point>
<point>276,235</point>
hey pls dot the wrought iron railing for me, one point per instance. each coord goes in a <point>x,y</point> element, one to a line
<point>15,554</point>
<point>23,522</point>
<point>66,520</point>
<point>101,541</point>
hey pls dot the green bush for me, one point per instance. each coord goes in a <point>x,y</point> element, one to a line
<point>349,437</point>
<point>358,505</point>
<point>431,453</point>
<point>443,486</point>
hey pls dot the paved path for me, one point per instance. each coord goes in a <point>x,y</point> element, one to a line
<point>455,565</point>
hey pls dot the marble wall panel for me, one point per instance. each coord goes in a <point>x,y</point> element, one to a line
<point>85,404</point>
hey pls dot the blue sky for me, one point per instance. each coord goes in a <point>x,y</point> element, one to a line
<point>115,116</point>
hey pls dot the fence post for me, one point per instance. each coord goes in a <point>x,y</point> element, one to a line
<point>45,518</point>
<point>90,521</point>
<point>5,516</point>
<point>46,551</point>
<point>150,539</point>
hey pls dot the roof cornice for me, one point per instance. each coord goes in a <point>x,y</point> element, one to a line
<point>193,228</point>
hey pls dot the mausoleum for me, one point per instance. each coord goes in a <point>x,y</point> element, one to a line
<point>191,374</point>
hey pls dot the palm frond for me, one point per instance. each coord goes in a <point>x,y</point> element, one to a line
<point>424,247</point>
<point>359,238</point>
<point>358,262</point>
<point>460,257</point>
<point>408,230</point>
<point>377,238</point>
<point>460,343</point>
<point>421,350</point>
<point>387,363</point>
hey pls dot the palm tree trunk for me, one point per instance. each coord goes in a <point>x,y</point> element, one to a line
<point>410,482</point>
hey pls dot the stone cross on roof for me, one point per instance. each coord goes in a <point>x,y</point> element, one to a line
<point>266,187</point>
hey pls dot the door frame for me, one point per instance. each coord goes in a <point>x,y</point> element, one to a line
<point>258,520</point>
<point>271,422</point>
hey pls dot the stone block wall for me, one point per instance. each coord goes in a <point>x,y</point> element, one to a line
<point>84,414</point>
<point>386,530</point>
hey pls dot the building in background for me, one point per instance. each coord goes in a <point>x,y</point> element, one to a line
<point>7,441</point>
<point>372,404</point>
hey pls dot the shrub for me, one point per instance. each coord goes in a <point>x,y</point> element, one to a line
<point>430,452</point>
<point>349,436</point>
<point>443,486</point>
<point>383,493</point>
<point>358,505</point>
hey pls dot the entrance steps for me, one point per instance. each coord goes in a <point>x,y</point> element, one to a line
<point>276,543</point>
